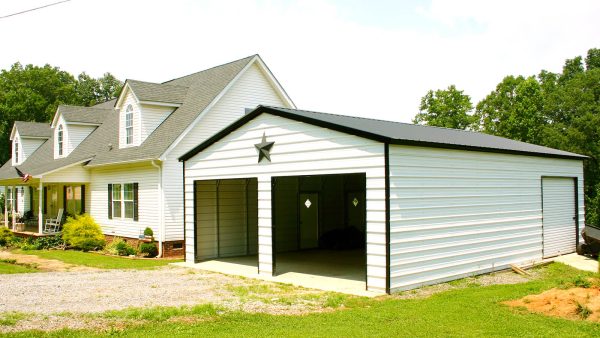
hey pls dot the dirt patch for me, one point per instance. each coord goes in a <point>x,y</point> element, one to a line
<point>574,303</point>
<point>42,264</point>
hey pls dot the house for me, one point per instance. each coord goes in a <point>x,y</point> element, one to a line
<point>118,161</point>
<point>394,206</point>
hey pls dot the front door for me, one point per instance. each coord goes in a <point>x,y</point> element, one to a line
<point>309,220</point>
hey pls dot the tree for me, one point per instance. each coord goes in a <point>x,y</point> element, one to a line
<point>447,108</point>
<point>31,93</point>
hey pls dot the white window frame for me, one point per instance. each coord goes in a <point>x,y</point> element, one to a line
<point>129,125</point>
<point>60,140</point>
<point>122,201</point>
<point>16,148</point>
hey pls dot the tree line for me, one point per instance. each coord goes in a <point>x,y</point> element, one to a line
<point>557,110</point>
<point>32,93</point>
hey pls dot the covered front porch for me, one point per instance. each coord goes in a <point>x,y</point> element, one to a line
<point>29,204</point>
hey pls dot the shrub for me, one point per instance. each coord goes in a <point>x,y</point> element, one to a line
<point>149,249</point>
<point>119,247</point>
<point>148,232</point>
<point>6,236</point>
<point>49,242</point>
<point>83,233</point>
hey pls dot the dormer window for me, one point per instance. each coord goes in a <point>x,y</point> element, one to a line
<point>16,150</point>
<point>129,125</point>
<point>60,139</point>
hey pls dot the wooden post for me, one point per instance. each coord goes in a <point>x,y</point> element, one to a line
<point>12,206</point>
<point>40,209</point>
<point>6,206</point>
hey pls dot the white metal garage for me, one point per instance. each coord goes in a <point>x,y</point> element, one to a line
<point>439,204</point>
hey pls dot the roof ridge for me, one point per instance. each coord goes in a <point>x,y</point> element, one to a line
<point>207,69</point>
<point>157,83</point>
<point>85,107</point>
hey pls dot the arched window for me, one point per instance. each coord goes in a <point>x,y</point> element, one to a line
<point>60,140</point>
<point>16,150</point>
<point>129,125</point>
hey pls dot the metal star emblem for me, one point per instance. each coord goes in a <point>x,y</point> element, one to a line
<point>264,149</point>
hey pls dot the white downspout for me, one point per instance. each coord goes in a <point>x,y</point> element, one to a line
<point>160,209</point>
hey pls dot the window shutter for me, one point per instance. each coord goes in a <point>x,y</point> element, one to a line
<point>65,198</point>
<point>135,201</point>
<point>45,198</point>
<point>83,198</point>
<point>16,199</point>
<point>31,199</point>
<point>109,201</point>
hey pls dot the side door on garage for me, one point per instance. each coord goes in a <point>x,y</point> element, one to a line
<point>559,209</point>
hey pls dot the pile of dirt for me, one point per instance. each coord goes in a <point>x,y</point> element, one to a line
<point>574,303</point>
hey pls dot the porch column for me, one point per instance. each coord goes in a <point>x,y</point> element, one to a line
<point>40,209</point>
<point>6,206</point>
<point>12,206</point>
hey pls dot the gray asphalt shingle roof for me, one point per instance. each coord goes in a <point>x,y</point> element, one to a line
<point>396,133</point>
<point>93,115</point>
<point>195,91</point>
<point>158,92</point>
<point>33,129</point>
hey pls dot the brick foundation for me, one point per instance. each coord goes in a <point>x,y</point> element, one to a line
<point>171,249</point>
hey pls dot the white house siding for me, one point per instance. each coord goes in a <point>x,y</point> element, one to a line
<point>73,174</point>
<point>250,90</point>
<point>457,213</point>
<point>77,133</point>
<point>30,145</point>
<point>300,149</point>
<point>151,117</point>
<point>137,128</point>
<point>148,200</point>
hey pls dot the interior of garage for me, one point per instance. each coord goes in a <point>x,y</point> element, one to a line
<point>319,225</point>
<point>226,218</point>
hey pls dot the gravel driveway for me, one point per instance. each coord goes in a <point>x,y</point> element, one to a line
<point>98,291</point>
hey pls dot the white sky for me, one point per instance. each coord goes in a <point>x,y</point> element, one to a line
<point>364,58</point>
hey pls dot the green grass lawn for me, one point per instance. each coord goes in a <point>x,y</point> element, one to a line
<point>97,260</point>
<point>471,311</point>
<point>9,267</point>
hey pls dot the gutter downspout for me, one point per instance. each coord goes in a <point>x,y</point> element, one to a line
<point>160,208</point>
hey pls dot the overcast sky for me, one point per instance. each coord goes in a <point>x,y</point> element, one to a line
<point>363,58</point>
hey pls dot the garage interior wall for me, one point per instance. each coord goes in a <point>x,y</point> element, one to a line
<point>226,218</point>
<point>457,213</point>
<point>333,191</point>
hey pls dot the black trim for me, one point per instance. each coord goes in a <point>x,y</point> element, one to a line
<point>273,228</point>
<point>83,199</point>
<point>45,200</point>
<point>135,201</point>
<point>387,219</point>
<point>184,211</point>
<point>65,198</point>
<point>31,198</point>
<point>110,211</point>
<point>196,260</point>
<point>218,218</point>
<point>357,132</point>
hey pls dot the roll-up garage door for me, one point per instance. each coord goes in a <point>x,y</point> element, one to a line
<point>226,218</point>
<point>558,203</point>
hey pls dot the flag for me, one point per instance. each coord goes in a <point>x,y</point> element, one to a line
<point>24,177</point>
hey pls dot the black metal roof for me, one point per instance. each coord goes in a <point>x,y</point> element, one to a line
<point>396,133</point>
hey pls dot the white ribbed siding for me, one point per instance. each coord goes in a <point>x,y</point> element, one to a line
<point>151,117</point>
<point>148,202</point>
<point>558,200</point>
<point>77,133</point>
<point>456,213</point>
<point>251,89</point>
<point>300,149</point>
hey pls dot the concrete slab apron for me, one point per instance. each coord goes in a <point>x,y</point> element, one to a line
<point>578,262</point>
<point>325,283</point>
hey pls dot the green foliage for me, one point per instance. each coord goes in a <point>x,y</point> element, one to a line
<point>6,236</point>
<point>83,233</point>
<point>582,310</point>
<point>447,108</point>
<point>149,249</point>
<point>119,247</point>
<point>581,281</point>
<point>32,93</point>
<point>2,201</point>
<point>148,232</point>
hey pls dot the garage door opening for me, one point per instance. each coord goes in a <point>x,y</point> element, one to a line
<point>319,225</point>
<point>226,219</point>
